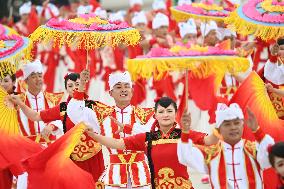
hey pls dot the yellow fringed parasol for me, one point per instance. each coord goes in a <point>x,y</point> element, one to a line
<point>14,50</point>
<point>5,30</point>
<point>86,32</point>
<point>261,18</point>
<point>8,117</point>
<point>201,64</point>
<point>201,11</point>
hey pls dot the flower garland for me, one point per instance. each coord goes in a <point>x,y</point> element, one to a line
<point>251,11</point>
<point>19,43</point>
<point>272,6</point>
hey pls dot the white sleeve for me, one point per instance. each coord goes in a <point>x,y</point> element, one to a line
<point>78,112</point>
<point>262,153</point>
<point>191,156</point>
<point>139,128</point>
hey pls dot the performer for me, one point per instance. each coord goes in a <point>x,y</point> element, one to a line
<point>87,154</point>
<point>233,162</point>
<point>135,120</point>
<point>188,32</point>
<point>276,159</point>
<point>21,26</point>
<point>160,144</point>
<point>7,82</point>
<point>272,74</point>
<point>209,33</point>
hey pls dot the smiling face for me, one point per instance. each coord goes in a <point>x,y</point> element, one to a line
<point>122,94</point>
<point>71,86</point>
<point>165,116</point>
<point>7,83</point>
<point>279,165</point>
<point>232,130</point>
<point>162,31</point>
<point>35,82</point>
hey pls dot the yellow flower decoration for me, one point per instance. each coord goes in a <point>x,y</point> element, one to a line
<point>268,6</point>
<point>89,21</point>
<point>198,48</point>
<point>207,7</point>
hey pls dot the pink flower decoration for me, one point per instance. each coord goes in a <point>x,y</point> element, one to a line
<point>19,43</point>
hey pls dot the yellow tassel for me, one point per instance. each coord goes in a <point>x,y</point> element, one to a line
<point>181,16</point>
<point>85,39</point>
<point>7,68</point>
<point>200,66</point>
<point>243,27</point>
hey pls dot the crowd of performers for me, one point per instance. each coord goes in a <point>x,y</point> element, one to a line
<point>147,147</point>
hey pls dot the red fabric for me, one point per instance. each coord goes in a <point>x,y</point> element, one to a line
<point>6,179</point>
<point>127,129</point>
<point>136,142</point>
<point>270,179</point>
<point>33,21</point>
<point>119,57</point>
<point>134,51</point>
<point>203,91</point>
<point>259,135</point>
<point>52,63</point>
<point>222,172</point>
<point>50,114</point>
<point>139,92</point>
<point>14,149</point>
<point>250,172</point>
<point>165,87</point>
<point>53,169</point>
<point>79,95</point>
<point>95,4</point>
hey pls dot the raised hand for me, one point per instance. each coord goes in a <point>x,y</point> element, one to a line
<point>186,121</point>
<point>84,78</point>
<point>251,121</point>
<point>120,125</point>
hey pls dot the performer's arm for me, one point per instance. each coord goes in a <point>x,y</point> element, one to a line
<point>197,137</point>
<point>78,112</point>
<point>30,113</point>
<point>108,141</point>
<point>262,139</point>
<point>191,156</point>
<point>270,88</point>
<point>135,143</point>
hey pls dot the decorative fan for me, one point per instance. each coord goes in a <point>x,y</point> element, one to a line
<point>8,117</point>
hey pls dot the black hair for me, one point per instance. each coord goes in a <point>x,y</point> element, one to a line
<point>165,102</point>
<point>72,77</point>
<point>276,150</point>
<point>280,41</point>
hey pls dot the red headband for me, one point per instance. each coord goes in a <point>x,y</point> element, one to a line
<point>66,76</point>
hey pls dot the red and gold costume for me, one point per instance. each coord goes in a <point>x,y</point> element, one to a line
<point>87,154</point>
<point>161,149</point>
<point>38,103</point>
<point>229,166</point>
<point>125,165</point>
<point>272,73</point>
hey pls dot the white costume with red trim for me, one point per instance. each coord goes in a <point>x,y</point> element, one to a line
<point>230,167</point>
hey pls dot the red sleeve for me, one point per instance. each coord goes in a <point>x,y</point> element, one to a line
<point>136,142</point>
<point>259,135</point>
<point>196,137</point>
<point>51,114</point>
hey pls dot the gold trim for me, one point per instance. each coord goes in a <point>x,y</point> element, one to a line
<point>165,141</point>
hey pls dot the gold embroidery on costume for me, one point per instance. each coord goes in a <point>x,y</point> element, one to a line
<point>167,180</point>
<point>99,185</point>
<point>102,111</point>
<point>53,98</point>
<point>211,152</point>
<point>277,103</point>
<point>250,148</point>
<point>86,149</point>
<point>165,141</point>
<point>143,114</point>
